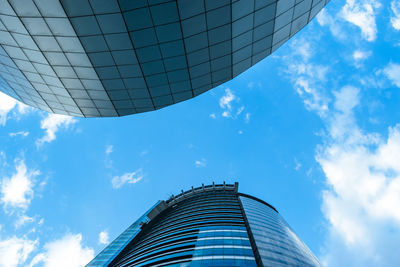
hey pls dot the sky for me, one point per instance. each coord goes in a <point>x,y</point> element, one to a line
<point>313,129</point>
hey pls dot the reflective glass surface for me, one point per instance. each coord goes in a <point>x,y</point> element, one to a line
<point>113,249</point>
<point>96,58</point>
<point>276,242</point>
<point>212,225</point>
<point>205,229</point>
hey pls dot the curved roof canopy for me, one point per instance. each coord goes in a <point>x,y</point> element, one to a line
<point>102,58</point>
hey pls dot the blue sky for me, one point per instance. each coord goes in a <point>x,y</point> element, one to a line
<point>313,129</point>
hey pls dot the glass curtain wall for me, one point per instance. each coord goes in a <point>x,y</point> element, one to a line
<point>276,242</point>
<point>206,229</point>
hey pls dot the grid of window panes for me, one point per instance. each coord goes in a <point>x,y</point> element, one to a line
<point>115,247</point>
<point>276,242</point>
<point>117,57</point>
<point>205,229</point>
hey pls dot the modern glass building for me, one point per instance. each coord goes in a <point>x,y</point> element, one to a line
<point>97,58</point>
<point>211,225</point>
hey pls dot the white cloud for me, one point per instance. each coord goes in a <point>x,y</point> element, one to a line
<point>247,117</point>
<point>103,237</point>
<point>213,116</point>
<point>17,191</point>
<point>23,219</point>
<point>340,122</point>
<point>240,110</point>
<point>297,164</point>
<point>109,149</point>
<point>362,14</point>
<point>395,18</point>
<point>363,195</point>
<point>51,124</point>
<point>313,100</point>
<point>15,251</point>
<point>201,163</point>
<point>303,49</point>
<point>307,77</point>
<point>361,200</point>
<point>7,104</point>
<point>225,102</point>
<point>3,158</point>
<point>359,56</point>
<point>127,178</point>
<point>306,86</point>
<point>325,19</point>
<point>108,161</point>
<point>65,252</point>
<point>20,133</point>
<point>253,85</point>
<point>392,72</point>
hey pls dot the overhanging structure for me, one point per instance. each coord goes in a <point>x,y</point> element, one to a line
<point>102,58</point>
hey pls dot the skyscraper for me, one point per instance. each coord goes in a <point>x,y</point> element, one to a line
<point>98,58</point>
<point>211,225</point>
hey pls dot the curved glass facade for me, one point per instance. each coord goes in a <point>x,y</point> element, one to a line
<point>97,58</point>
<point>211,225</point>
<point>277,244</point>
<point>206,229</point>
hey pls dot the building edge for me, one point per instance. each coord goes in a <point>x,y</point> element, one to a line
<point>110,253</point>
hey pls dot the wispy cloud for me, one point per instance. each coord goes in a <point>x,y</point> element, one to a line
<point>363,15</point>
<point>229,103</point>
<point>65,252</point>
<point>3,158</point>
<point>363,195</point>
<point>395,18</point>
<point>331,21</point>
<point>252,85</point>
<point>20,133</point>
<point>15,251</point>
<point>361,172</point>
<point>7,105</point>
<point>307,77</point>
<point>108,161</point>
<point>51,124</point>
<point>247,117</point>
<point>17,190</point>
<point>225,102</point>
<point>103,237</point>
<point>201,163</point>
<point>22,220</point>
<point>297,164</point>
<point>239,111</point>
<point>109,149</point>
<point>392,72</point>
<point>359,56</point>
<point>360,13</point>
<point>127,178</point>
